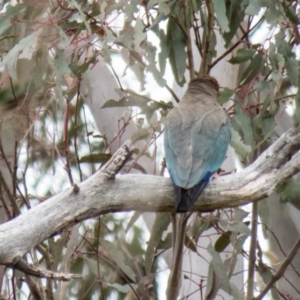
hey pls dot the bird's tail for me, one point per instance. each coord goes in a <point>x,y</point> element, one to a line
<point>185,198</point>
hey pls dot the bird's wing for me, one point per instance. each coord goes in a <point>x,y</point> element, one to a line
<point>210,143</point>
<point>195,148</point>
<point>178,150</point>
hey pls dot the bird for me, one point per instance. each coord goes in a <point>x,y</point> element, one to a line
<point>196,139</point>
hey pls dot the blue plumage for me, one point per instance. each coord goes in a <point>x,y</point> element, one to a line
<point>196,139</point>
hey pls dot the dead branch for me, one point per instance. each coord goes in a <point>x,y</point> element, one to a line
<point>103,193</point>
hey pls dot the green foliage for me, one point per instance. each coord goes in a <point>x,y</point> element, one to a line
<point>289,191</point>
<point>220,11</point>
<point>225,95</point>
<point>242,56</point>
<point>176,43</point>
<point>223,241</point>
<point>161,224</point>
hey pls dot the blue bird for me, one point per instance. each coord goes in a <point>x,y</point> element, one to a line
<point>196,139</point>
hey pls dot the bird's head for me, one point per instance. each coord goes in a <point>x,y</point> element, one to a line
<point>205,81</point>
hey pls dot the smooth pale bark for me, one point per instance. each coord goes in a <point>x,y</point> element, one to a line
<point>100,194</point>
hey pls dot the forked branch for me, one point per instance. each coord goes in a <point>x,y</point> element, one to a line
<point>103,193</point>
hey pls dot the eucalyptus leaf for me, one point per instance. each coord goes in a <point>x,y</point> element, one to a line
<point>211,288</point>
<point>139,35</point>
<point>60,63</point>
<point>136,215</point>
<point>292,66</point>
<point>95,158</point>
<point>92,265</point>
<point>71,246</point>
<point>225,95</point>
<point>238,145</point>
<point>264,214</point>
<point>242,55</point>
<point>4,25</point>
<point>164,51</point>
<point>199,226</point>
<point>189,243</point>
<point>223,241</point>
<point>166,243</point>
<point>220,10</point>
<point>126,101</point>
<point>283,46</point>
<point>118,257</point>
<point>292,15</point>
<point>240,227</point>
<point>151,58</point>
<point>163,7</point>
<point>25,48</point>
<point>290,191</point>
<point>272,15</point>
<point>177,54</point>
<point>161,224</point>
<point>218,267</point>
<point>234,23</point>
<point>141,134</point>
<point>277,62</point>
<point>254,7</point>
<point>240,214</point>
<point>253,69</point>
<point>82,15</point>
<point>235,292</point>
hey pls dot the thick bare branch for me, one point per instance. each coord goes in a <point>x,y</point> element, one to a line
<point>100,195</point>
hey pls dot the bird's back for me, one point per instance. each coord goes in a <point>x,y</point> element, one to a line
<point>197,134</point>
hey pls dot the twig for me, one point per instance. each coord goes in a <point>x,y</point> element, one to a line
<point>13,91</point>
<point>22,265</point>
<point>280,271</point>
<point>88,140</point>
<point>110,260</point>
<point>207,37</point>
<point>98,260</point>
<point>48,263</point>
<point>75,129</point>
<point>197,36</point>
<point>252,252</point>
<point>11,198</point>
<point>188,39</point>
<point>15,168</point>
<point>175,18</point>
<point>281,249</point>
<point>66,142</point>
<point>118,160</point>
<point>34,289</point>
<point>172,93</point>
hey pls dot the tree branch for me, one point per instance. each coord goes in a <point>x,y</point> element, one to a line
<point>187,18</point>
<point>100,194</point>
<point>30,269</point>
<point>207,33</point>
